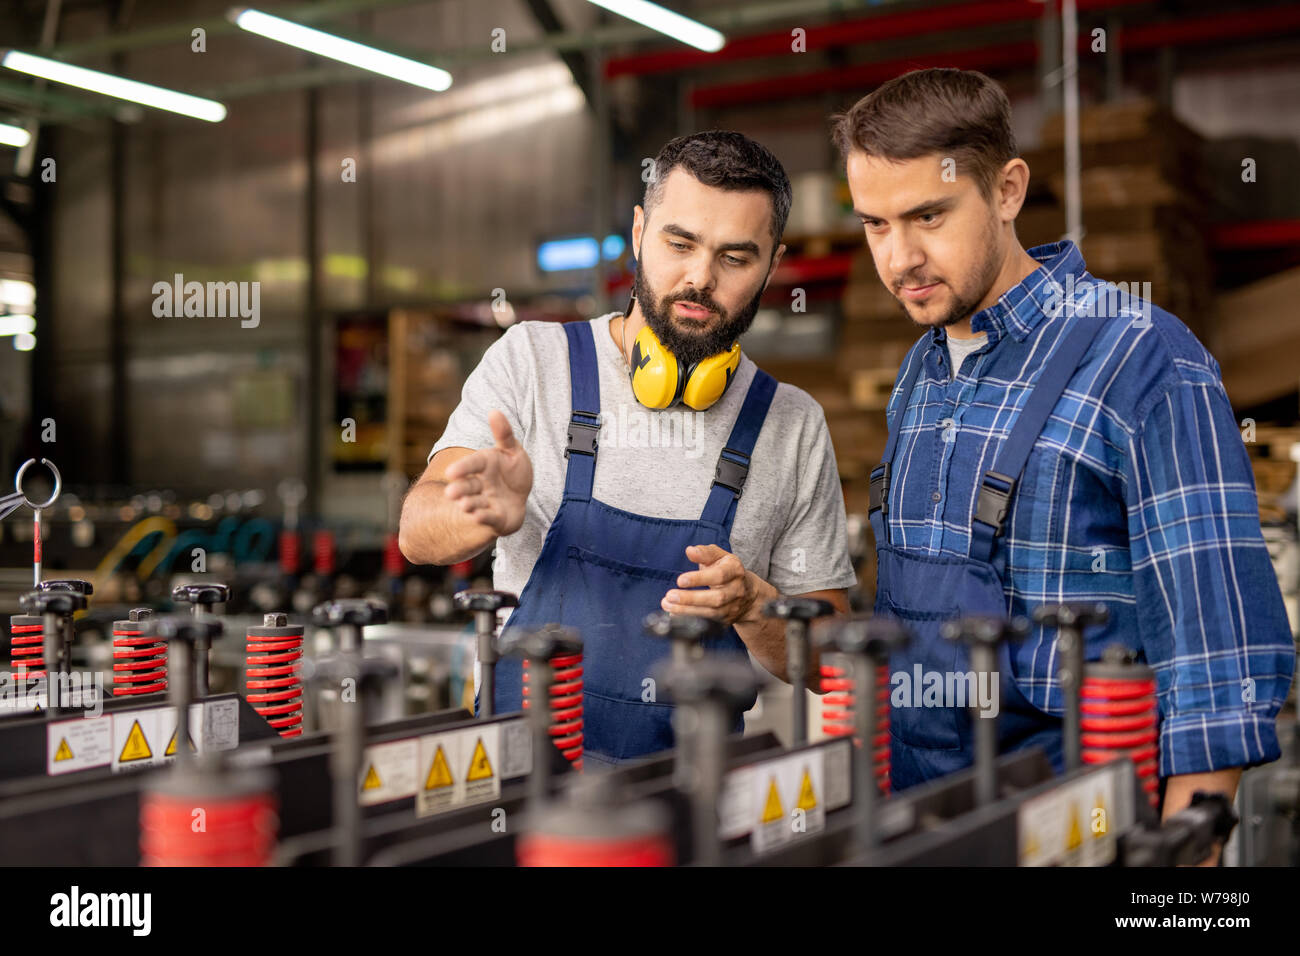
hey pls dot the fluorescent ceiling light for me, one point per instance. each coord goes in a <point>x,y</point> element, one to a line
<point>345,51</point>
<point>14,136</point>
<point>17,293</point>
<point>116,86</point>
<point>17,324</point>
<point>665,21</point>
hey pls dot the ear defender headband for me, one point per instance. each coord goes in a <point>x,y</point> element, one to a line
<point>660,381</point>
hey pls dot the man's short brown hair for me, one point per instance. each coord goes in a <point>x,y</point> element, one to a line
<point>960,114</point>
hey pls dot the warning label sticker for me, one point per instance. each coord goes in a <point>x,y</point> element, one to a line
<point>1075,824</point>
<point>387,772</point>
<point>78,744</point>
<point>787,801</point>
<point>135,740</point>
<point>167,727</point>
<point>459,768</point>
<point>796,791</point>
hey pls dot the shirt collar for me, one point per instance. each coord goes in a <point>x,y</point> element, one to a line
<point>1019,310</point>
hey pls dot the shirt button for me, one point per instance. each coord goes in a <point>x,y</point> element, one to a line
<point>936,497</point>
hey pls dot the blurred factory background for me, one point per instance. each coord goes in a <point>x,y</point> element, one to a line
<point>394,231</point>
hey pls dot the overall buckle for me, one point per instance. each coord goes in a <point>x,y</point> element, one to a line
<point>994,502</point>
<point>878,491</point>
<point>583,435</point>
<point>731,473</point>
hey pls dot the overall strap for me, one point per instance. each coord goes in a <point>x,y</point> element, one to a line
<point>733,461</point>
<point>999,484</point>
<point>584,419</point>
<point>878,493</point>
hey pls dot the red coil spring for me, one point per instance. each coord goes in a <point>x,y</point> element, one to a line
<point>837,715</point>
<point>322,544</point>
<point>237,831</point>
<point>27,636</point>
<point>566,705</point>
<point>290,552</point>
<point>394,560</point>
<point>538,849</point>
<point>1119,719</point>
<point>139,661</point>
<point>272,671</point>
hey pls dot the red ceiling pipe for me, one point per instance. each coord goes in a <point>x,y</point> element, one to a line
<point>886,25</point>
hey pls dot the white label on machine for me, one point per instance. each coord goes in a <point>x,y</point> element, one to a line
<point>135,739</point>
<point>516,749</point>
<point>735,804</point>
<point>78,744</point>
<point>387,772</point>
<point>837,765</point>
<point>220,725</point>
<point>1075,824</point>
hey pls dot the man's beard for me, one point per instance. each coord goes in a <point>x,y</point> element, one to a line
<point>963,306</point>
<point>691,345</point>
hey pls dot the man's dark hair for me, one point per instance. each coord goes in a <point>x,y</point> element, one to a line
<point>724,160</point>
<point>953,113</point>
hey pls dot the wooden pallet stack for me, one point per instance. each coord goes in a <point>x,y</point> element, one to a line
<point>1143,185</point>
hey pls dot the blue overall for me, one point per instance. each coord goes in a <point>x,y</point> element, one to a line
<point>602,570</point>
<point>922,591</point>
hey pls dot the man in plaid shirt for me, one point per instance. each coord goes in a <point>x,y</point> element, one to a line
<point>1134,491</point>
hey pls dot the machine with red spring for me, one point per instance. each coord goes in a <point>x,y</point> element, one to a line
<point>565,696</point>
<point>139,657</point>
<point>1110,705</point>
<point>837,711</point>
<point>1119,716</point>
<point>238,808</point>
<point>273,673</point>
<point>856,651</point>
<point>25,640</point>
<point>25,630</point>
<point>552,673</point>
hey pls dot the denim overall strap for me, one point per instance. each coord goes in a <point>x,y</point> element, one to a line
<point>999,484</point>
<point>878,494</point>
<point>584,419</point>
<point>733,461</point>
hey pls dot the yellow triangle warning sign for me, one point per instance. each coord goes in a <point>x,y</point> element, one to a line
<point>1074,839</point>
<point>807,799</point>
<point>1031,848</point>
<point>372,780</point>
<point>136,747</point>
<point>480,768</point>
<point>772,811</point>
<point>64,752</point>
<point>439,773</point>
<point>171,747</point>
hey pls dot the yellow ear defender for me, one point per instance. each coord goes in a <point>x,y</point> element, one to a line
<point>660,381</point>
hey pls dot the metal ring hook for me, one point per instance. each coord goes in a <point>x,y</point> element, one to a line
<point>58,483</point>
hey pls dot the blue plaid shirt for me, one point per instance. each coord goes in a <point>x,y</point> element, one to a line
<point>1138,493</point>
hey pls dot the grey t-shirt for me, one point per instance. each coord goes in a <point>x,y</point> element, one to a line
<point>958,349</point>
<point>789,527</point>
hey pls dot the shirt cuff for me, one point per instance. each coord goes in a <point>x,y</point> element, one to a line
<point>1204,742</point>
